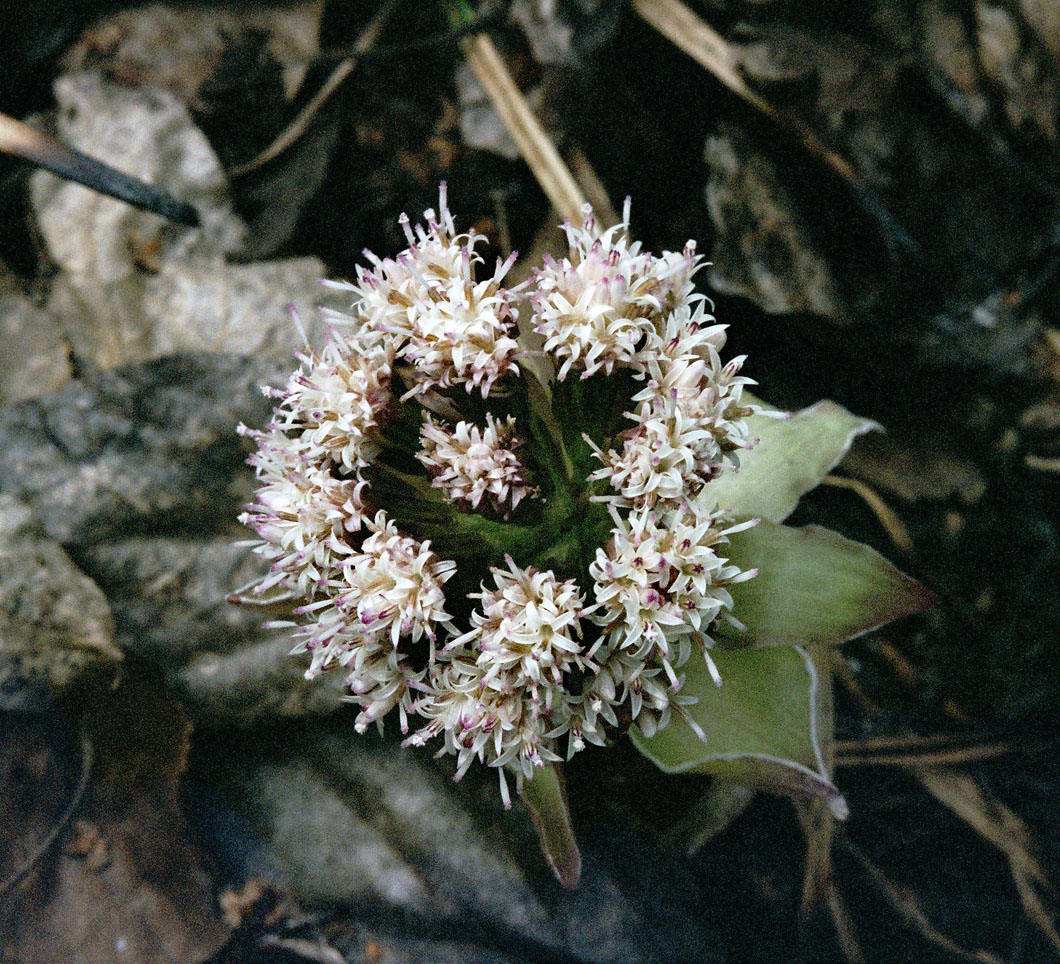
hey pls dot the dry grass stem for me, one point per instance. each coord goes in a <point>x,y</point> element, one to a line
<point>906,905</point>
<point>917,751</point>
<point>888,518</point>
<point>1041,464</point>
<point>297,128</point>
<point>689,32</point>
<point>1002,828</point>
<point>534,144</point>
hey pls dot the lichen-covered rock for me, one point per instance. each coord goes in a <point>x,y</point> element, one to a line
<point>149,448</point>
<point>327,849</point>
<point>252,682</point>
<point>132,286</point>
<point>170,594</point>
<point>140,473</point>
<point>55,624</point>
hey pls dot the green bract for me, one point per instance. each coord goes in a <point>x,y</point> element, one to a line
<point>813,586</point>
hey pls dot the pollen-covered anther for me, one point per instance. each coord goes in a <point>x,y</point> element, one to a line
<point>472,465</point>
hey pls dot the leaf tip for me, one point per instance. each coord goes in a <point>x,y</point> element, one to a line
<point>915,597</point>
<point>545,796</point>
<point>838,806</point>
<point>567,871</point>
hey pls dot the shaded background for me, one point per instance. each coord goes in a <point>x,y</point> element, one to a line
<point>214,806</point>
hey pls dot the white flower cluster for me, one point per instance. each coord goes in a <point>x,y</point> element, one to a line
<point>427,306</point>
<point>469,463</point>
<point>568,641</point>
<point>597,307</point>
<point>383,599</point>
<point>502,698</point>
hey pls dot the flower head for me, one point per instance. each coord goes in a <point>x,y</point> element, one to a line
<point>427,308</point>
<point>470,464</point>
<point>418,456</point>
<point>598,306</point>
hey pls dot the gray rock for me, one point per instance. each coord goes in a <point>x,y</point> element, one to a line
<point>169,595</point>
<point>323,814</point>
<point>140,472</point>
<point>253,682</point>
<point>907,216</point>
<point>745,193</point>
<point>55,624</point>
<point>481,127</point>
<point>149,448</point>
<point>132,287</point>
<point>177,48</point>
<point>329,852</point>
<point>34,355</point>
<point>469,866</point>
<point>149,134</point>
<point>559,34</point>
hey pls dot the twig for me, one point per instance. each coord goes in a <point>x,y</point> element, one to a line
<point>44,151</point>
<point>60,825</point>
<point>887,517</point>
<point>709,49</point>
<point>1041,463</point>
<point>844,672</point>
<point>297,128</point>
<point>486,17</point>
<point>534,144</point>
<point>593,187</point>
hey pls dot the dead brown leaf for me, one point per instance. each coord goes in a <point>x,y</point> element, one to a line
<point>129,885</point>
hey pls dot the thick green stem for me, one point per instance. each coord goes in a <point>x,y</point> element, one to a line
<point>546,798</point>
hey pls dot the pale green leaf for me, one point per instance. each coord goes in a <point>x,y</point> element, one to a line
<point>814,586</point>
<point>791,457</point>
<point>760,725</point>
